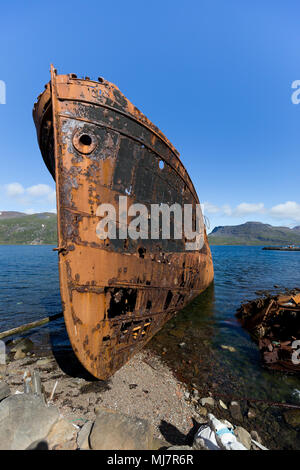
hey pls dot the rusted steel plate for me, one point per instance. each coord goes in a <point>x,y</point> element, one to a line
<point>116,293</point>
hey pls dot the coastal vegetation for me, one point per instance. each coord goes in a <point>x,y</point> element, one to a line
<point>17,228</point>
<point>254,233</point>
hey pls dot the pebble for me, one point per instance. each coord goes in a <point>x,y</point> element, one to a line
<point>83,441</point>
<point>180,448</point>
<point>243,436</point>
<point>207,401</point>
<point>202,410</point>
<point>222,405</point>
<point>19,354</point>
<point>292,417</point>
<point>24,344</point>
<point>229,348</point>
<point>256,436</point>
<point>44,361</point>
<point>251,413</point>
<point>235,411</point>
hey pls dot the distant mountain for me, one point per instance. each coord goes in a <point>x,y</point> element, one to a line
<point>254,233</point>
<point>17,228</point>
<point>10,214</point>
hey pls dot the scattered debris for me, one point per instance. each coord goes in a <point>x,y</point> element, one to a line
<point>216,435</point>
<point>274,323</point>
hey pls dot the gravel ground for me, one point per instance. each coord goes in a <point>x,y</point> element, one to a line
<point>145,387</point>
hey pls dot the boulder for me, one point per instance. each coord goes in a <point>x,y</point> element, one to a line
<point>24,418</point>
<point>4,390</point>
<point>115,431</point>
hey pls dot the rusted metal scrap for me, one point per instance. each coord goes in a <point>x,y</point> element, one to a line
<point>274,323</point>
<point>116,293</point>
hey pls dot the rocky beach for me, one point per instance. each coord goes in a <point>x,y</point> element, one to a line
<point>50,402</point>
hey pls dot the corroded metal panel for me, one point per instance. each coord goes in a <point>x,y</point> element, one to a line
<point>116,293</point>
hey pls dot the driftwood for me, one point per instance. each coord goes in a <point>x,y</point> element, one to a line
<point>30,326</point>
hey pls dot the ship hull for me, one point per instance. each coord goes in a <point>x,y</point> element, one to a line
<point>116,293</point>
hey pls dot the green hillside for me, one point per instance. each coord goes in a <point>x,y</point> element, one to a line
<point>17,228</point>
<point>21,229</point>
<point>254,233</point>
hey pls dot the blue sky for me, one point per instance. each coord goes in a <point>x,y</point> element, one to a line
<point>215,76</point>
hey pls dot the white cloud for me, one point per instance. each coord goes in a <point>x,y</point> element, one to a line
<point>35,197</point>
<point>226,209</point>
<point>14,189</point>
<point>29,211</point>
<point>287,210</point>
<point>39,190</point>
<point>245,208</point>
<point>210,208</point>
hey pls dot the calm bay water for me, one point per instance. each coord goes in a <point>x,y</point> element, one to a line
<point>29,290</point>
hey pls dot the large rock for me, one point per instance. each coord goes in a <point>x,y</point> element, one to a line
<point>4,390</point>
<point>116,431</point>
<point>24,419</point>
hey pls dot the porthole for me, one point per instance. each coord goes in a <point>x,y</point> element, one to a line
<point>84,142</point>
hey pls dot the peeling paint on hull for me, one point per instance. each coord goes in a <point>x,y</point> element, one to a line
<point>116,294</point>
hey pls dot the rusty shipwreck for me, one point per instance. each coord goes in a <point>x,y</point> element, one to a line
<point>116,294</point>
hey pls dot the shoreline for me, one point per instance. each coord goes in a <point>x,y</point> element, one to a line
<point>144,389</point>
